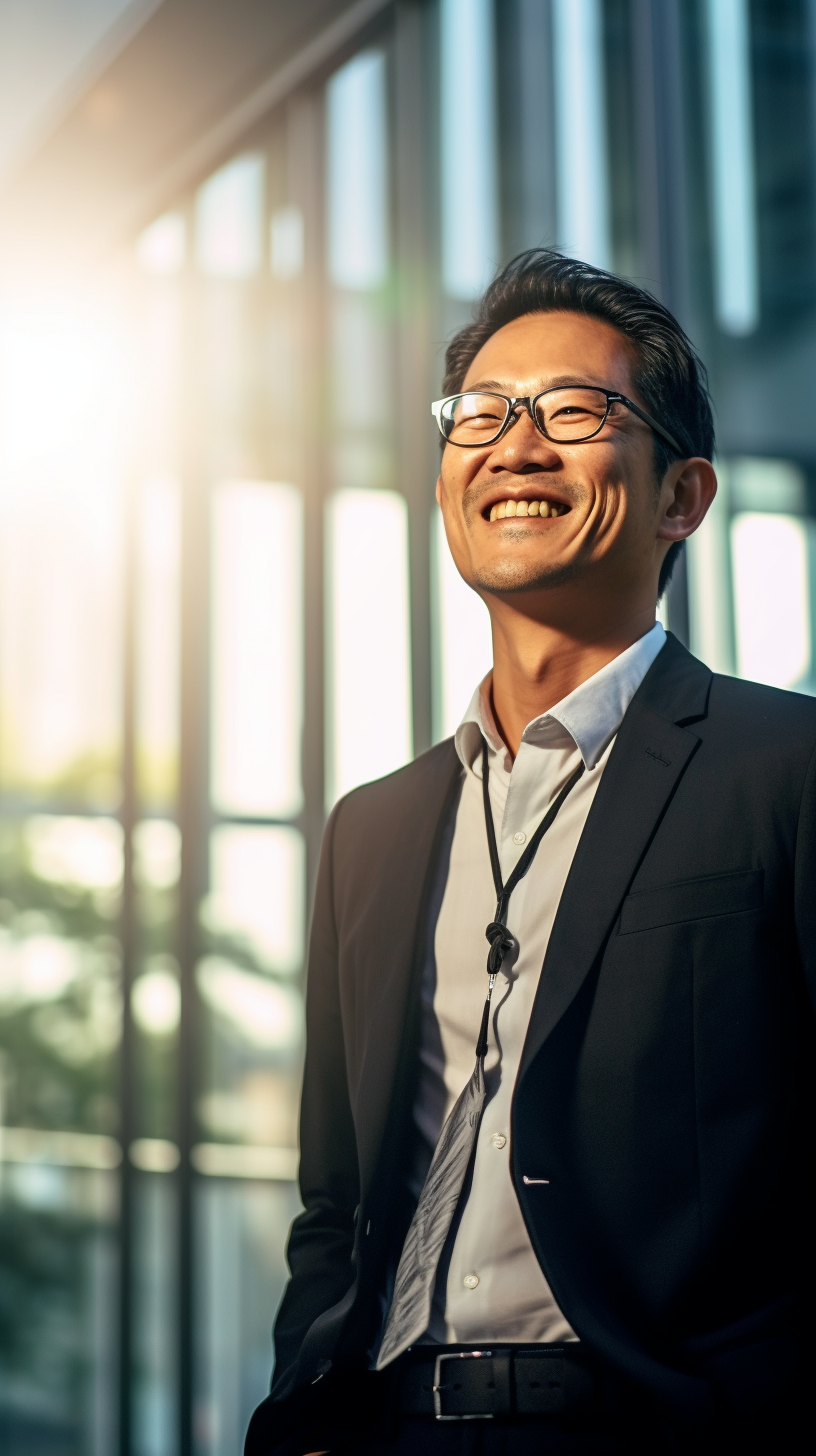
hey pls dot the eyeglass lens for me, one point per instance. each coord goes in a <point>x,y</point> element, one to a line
<point>567,415</point>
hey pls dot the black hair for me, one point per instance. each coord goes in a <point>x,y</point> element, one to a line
<point>669,374</point>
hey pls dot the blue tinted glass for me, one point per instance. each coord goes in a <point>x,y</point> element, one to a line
<point>736,284</point>
<point>470,240</point>
<point>581,171</point>
<point>357,173</point>
<point>229,217</point>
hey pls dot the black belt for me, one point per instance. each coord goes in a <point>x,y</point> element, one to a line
<point>460,1384</point>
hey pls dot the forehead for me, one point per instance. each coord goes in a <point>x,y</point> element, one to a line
<point>533,351</point>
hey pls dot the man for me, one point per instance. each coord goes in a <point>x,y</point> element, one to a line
<point>580,1219</point>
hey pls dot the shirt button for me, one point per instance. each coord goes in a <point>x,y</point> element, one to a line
<point>520,837</point>
<point>498,1140</point>
<point>470,1281</point>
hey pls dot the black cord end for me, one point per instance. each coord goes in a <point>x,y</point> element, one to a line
<point>481,1045</point>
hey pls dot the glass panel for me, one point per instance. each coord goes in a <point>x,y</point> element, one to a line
<point>631,133</point>
<point>59,971</point>
<point>257,649</point>
<point>60,1021</point>
<point>286,242</point>
<point>159,358</point>
<point>155,1317</point>
<point>241,1234</point>
<point>781,78</point>
<point>256,906</point>
<point>155,995</point>
<point>462,640</point>
<point>357,173</point>
<point>287,400</point>
<point>362,348</point>
<point>251,1085</point>
<point>762,484</point>
<point>59,1271</point>
<point>161,247</point>
<point>526,124</point>
<point>581,179</point>
<point>62,395</point>
<point>709,577</point>
<point>158,650</point>
<point>369,711</point>
<point>264,1014</point>
<point>253,921</point>
<point>470,233</point>
<point>229,219</point>
<point>772,598</point>
<point>733,201</point>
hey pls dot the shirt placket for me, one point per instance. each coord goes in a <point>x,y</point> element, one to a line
<point>524,788</point>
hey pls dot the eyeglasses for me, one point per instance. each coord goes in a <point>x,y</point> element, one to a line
<point>566,415</point>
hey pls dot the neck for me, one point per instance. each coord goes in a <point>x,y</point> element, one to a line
<point>536,664</point>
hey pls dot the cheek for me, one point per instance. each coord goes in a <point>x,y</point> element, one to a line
<point>449,499</point>
<point>451,489</point>
<point>633,529</point>
<point>620,510</point>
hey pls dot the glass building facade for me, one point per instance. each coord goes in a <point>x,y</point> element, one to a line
<point>225,600</point>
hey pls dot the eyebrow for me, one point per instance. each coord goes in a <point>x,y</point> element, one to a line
<point>560,381</point>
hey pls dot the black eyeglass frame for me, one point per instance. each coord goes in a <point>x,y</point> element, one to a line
<point>529,402</point>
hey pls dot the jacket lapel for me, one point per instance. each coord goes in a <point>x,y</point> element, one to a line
<point>650,755</point>
<point>397,949</point>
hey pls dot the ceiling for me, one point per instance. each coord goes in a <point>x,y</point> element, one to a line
<point>188,78</point>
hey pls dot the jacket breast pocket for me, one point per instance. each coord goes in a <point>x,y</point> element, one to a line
<point>697,899</point>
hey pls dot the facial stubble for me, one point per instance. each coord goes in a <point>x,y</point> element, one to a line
<point>514,575</point>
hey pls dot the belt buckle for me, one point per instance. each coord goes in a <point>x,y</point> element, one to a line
<point>438,1387</point>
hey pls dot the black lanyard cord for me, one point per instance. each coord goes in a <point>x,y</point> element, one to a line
<point>501,942</point>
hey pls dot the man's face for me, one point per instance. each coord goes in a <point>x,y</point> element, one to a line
<point>603,489</point>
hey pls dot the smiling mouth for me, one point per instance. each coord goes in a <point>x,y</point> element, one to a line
<point>532,506</point>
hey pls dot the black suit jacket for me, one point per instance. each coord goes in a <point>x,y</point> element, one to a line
<point>666,1087</point>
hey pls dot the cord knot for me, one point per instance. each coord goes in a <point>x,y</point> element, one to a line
<point>501,943</point>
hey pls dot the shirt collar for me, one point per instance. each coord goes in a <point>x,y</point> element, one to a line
<point>590,715</point>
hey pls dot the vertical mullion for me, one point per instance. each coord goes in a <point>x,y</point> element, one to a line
<point>658,94</point>
<point>193,822</point>
<point>305,149</point>
<point>661,191</point>
<point>412,344</point>
<point>128,934</point>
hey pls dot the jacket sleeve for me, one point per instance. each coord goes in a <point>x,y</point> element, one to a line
<point>321,1240</point>
<point>805,880</point>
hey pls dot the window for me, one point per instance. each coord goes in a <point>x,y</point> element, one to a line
<point>226,599</point>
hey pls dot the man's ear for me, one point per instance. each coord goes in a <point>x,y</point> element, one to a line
<point>439,491</point>
<point>689,487</point>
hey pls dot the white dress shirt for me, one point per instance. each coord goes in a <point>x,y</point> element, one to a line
<point>490,1285</point>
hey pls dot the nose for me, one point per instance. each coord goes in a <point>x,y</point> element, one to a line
<point>522,444</point>
<point>521,406</point>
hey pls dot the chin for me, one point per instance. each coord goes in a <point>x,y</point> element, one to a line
<point>522,576</point>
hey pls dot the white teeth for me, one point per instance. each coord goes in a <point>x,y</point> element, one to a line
<point>503,509</point>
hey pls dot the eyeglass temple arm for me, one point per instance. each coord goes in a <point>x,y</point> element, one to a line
<point>648,420</point>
